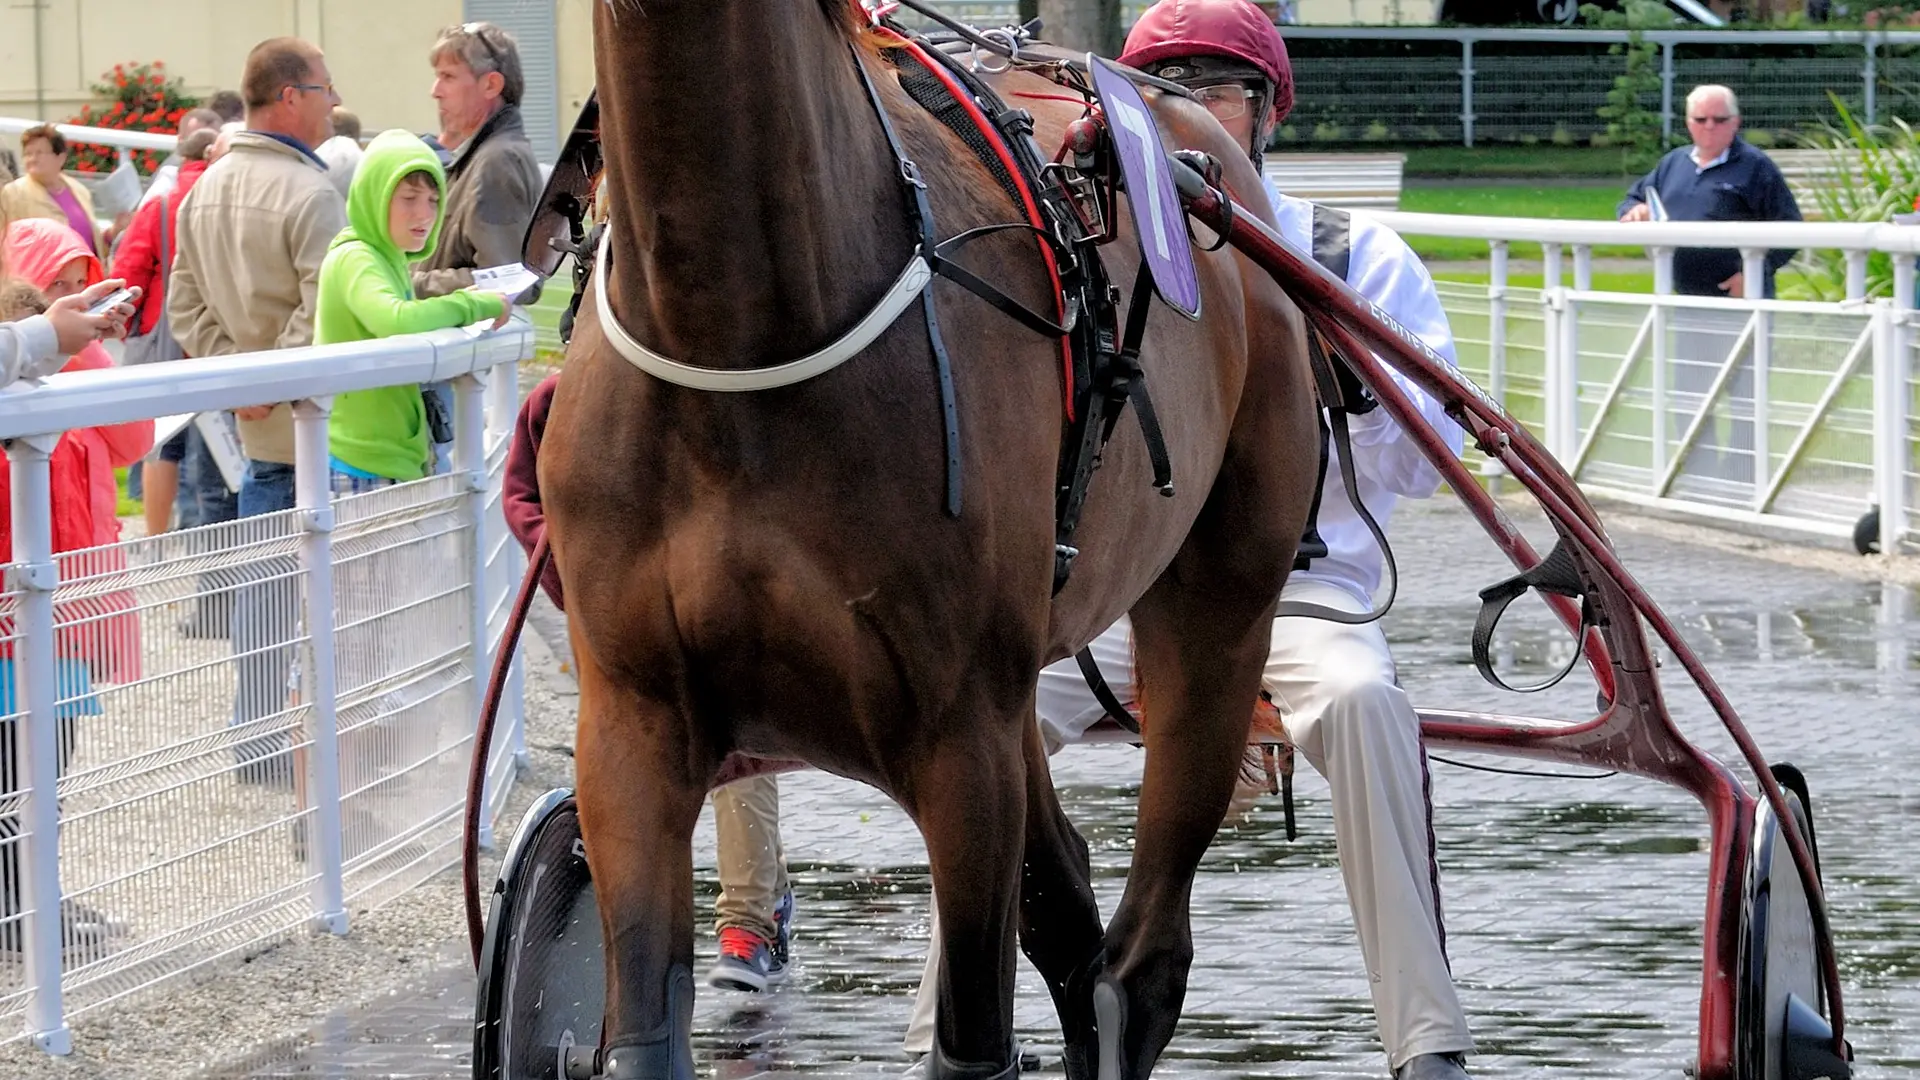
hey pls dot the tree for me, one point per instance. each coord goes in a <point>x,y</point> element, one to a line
<point>1082,25</point>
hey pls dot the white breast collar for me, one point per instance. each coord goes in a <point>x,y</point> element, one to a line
<point>905,289</point>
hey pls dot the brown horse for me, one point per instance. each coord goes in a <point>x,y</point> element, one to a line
<point>773,572</point>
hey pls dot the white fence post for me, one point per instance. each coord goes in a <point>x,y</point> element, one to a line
<point>313,496</point>
<point>36,750</point>
<point>1657,362</point>
<point>1856,274</point>
<point>1562,374</point>
<point>1496,341</point>
<point>503,412</point>
<point>1893,366</point>
<point>470,463</point>
<point>1754,282</point>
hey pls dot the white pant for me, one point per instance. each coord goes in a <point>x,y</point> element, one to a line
<point>1334,686</point>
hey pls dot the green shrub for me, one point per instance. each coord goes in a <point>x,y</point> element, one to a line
<point>1632,111</point>
<point>1875,172</point>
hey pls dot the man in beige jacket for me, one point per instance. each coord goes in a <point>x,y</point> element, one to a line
<point>252,235</point>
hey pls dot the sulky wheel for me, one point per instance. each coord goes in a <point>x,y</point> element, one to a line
<point>1781,1024</point>
<point>542,991</point>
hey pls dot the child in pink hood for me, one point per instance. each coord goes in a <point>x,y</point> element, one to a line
<point>54,260</point>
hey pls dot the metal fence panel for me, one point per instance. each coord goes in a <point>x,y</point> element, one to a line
<point>14,987</point>
<point>1786,92</point>
<point>181,828</point>
<point>1911,465</point>
<point>1374,99</point>
<point>201,722</point>
<point>402,589</point>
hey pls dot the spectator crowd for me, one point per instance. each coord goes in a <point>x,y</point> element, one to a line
<point>273,225</point>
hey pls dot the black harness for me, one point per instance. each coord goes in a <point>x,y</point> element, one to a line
<point>1333,249</point>
<point>1074,208</point>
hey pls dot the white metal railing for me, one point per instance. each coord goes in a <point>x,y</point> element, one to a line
<point>1738,409</point>
<point>124,141</point>
<point>298,741</point>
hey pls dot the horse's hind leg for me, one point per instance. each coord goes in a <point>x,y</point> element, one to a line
<point>1198,669</point>
<point>1059,921</point>
<point>640,793</point>
<point>967,794</point>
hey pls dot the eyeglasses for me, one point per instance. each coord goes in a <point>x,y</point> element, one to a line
<point>1224,100</point>
<point>327,86</point>
<point>1704,120</point>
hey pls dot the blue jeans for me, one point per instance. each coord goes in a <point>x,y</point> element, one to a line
<point>203,498</point>
<point>266,613</point>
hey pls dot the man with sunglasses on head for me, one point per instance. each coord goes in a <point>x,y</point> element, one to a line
<point>1333,684</point>
<point>493,179</point>
<point>1719,177</point>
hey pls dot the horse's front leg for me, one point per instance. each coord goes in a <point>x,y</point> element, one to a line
<point>640,789</point>
<point>967,793</point>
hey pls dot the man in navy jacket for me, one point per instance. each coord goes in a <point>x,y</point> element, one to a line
<point>1718,178</point>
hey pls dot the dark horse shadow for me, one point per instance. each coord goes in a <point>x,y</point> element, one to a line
<point>775,572</point>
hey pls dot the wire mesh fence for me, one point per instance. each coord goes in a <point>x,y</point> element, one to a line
<point>1910,479</point>
<point>1410,85</point>
<point>187,729</point>
<point>14,985</point>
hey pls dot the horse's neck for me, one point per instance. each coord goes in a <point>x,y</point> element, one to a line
<point>756,211</point>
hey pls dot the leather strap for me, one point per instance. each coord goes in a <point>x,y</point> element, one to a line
<point>920,215</point>
<point>1116,709</point>
<point>1557,574</point>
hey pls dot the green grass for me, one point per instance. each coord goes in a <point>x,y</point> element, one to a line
<point>127,507</point>
<point>1604,281</point>
<point>1515,162</point>
<point>1631,281</point>
<point>1577,202</point>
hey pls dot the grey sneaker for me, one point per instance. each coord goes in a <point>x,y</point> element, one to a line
<point>747,962</point>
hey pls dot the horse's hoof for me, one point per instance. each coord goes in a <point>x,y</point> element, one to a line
<point>1080,1054</point>
<point>666,1053</point>
<point>1110,1018</point>
<point>941,1067</point>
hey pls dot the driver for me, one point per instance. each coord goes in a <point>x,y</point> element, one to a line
<point>1333,684</point>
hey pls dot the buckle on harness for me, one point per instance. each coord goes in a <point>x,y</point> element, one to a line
<point>1063,556</point>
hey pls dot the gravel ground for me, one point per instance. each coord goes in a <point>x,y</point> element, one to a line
<point>276,993</point>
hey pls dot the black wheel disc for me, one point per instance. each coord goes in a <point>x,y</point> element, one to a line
<point>542,970</point>
<point>1781,951</point>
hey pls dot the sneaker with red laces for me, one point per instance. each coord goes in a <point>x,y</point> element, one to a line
<point>747,962</point>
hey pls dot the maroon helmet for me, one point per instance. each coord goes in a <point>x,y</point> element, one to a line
<point>1197,42</point>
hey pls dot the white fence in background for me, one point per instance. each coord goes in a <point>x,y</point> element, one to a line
<point>217,736</point>
<point>124,141</point>
<point>1794,414</point>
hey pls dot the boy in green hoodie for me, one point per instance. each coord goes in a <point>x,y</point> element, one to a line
<point>394,213</point>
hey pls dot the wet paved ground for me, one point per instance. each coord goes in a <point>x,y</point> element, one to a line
<point>1573,905</point>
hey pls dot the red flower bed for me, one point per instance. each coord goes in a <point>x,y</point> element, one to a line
<point>141,97</point>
